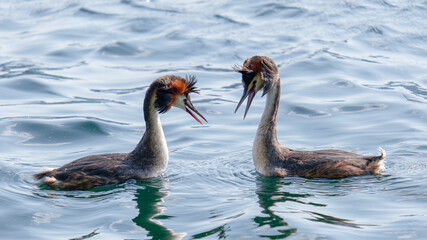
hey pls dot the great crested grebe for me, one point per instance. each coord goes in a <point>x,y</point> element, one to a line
<point>271,158</point>
<point>150,156</point>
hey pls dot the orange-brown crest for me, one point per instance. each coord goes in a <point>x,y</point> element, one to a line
<point>170,87</point>
<point>179,87</point>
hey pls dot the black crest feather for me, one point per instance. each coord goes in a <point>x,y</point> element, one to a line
<point>247,74</point>
<point>163,100</point>
<point>191,84</point>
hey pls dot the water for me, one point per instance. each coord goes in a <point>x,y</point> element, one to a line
<point>73,75</point>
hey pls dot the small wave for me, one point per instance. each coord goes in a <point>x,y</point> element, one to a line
<point>233,86</point>
<point>343,84</point>
<point>230,20</point>
<point>43,133</point>
<point>279,9</point>
<point>143,24</point>
<point>15,118</point>
<point>122,49</point>
<point>29,85</point>
<point>360,108</point>
<point>119,91</point>
<point>15,69</point>
<point>70,53</point>
<point>375,30</point>
<point>307,112</point>
<point>415,88</point>
<point>93,13</point>
<point>341,56</point>
<point>319,217</point>
<point>154,8</point>
<point>192,68</point>
<point>87,236</point>
<point>77,100</point>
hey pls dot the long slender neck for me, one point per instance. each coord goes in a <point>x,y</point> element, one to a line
<point>267,126</point>
<point>151,153</point>
<point>266,149</point>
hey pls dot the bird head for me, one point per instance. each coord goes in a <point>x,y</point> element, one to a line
<point>175,91</point>
<point>258,72</point>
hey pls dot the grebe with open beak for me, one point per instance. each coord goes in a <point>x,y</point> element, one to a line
<point>148,159</point>
<point>271,158</point>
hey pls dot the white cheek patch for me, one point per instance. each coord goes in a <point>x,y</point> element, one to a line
<point>179,102</point>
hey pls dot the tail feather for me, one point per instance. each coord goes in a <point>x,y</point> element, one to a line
<point>383,153</point>
<point>376,163</point>
<point>45,176</point>
<point>380,157</point>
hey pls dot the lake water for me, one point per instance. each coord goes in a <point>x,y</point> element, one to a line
<point>73,75</point>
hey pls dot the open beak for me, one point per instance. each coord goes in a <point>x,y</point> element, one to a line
<point>189,106</point>
<point>246,94</point>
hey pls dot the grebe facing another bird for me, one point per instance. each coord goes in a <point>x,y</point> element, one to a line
<point>150,156</point>
<point>271,158</point>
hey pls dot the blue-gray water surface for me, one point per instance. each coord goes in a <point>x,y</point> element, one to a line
<point>73,75</point>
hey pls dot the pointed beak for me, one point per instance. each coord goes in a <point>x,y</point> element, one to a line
<point>189,106</point>
<point>246,94</point>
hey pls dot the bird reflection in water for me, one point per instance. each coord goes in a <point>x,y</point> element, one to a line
<point>149,202</point>
<point>269,193</point>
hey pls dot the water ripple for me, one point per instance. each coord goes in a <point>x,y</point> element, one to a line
<point>318,217</point>
<point>122,49</point>
<point>119,91</point>
<point>307,112</point>
<point>30,85</point>
<point>14,69</point>
<point>78,100</point>
<point>281,10</point>
<point>415,89</point>
<point>360,108</point>
<point>14,118</point>
<point>150,8</point>
<point>230,20</point>
<point>92,13</point>
<point>42,133</point>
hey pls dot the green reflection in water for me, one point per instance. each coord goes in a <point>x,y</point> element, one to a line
<point>220,231</point>
<point>149,202</point>
<point>269,193</point>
